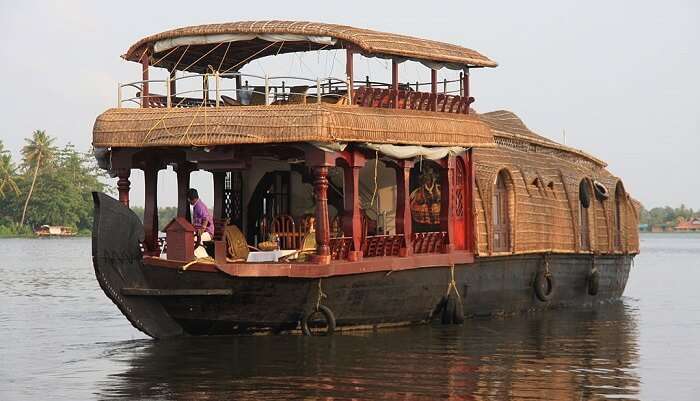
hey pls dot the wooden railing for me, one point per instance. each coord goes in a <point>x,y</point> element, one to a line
<point>382,245</point>
<point>429,242</point>
<point>412,100</point>
<point>340,247</point>
<point>267,90</point>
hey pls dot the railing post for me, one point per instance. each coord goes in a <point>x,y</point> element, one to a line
<point>267,90</point>
<point>318,90</point>
<point>145,98</point>
<point>168,97</point>
<point>465,80</point>
<point>119,95</point>
<point>205,89</point>
<point>349,82</point>
<point>461,84</point>
<point>217,79</point>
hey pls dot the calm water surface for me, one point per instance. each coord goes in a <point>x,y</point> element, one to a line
<point>63,339</point>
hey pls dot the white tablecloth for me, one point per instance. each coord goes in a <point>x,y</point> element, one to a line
<point>268,256</point>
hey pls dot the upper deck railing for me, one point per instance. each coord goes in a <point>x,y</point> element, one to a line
<point>240,89</point>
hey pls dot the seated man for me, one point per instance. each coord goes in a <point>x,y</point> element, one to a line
<point>201,218</point>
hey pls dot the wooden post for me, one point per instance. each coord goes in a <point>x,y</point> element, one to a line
<point>447,201</point>
<point>469,212</point>
<point>461,84</point>
<point>395,82</point>
<point>150,210</point>
<point>352,219</point>
<point>123,185</point>
<point>323,252</point>
<point>173,87</point>
<point>349,53</point>
<point>238,85</point>
<point>433,89</point>
<point>205,89</point>
<point>465,84</point>
<point>183,184</point>
<point>219,178</point>
<point>404,224</point>
<point>145,100</point>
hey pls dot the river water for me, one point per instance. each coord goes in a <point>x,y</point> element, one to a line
<point>62,339</point>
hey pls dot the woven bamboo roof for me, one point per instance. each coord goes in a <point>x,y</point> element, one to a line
<point>367,41</point>
<point>318,122</point>
<point>506,124</point>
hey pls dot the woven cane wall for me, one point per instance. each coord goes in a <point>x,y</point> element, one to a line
<point>545,212</point>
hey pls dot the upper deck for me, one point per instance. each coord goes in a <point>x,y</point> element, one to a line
<point>205,69</point>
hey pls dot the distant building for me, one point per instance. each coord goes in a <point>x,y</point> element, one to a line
<point>691,225</point>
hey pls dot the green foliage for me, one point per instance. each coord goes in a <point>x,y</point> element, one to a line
<point>53,186</point>
<point>15,231</point>
<point>165,215</point>
<point>666,216</point>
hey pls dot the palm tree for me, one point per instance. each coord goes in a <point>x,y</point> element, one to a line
<point>7,172</point>
<point>39,149</point>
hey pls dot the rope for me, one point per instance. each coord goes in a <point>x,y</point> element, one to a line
<point>453,283</point>
<point>166,55</point>
<point>248,58</point>
<point>180,59</point>
<point>208,260</point>
<point>224,57</point>
<point>321,295</point>
<point>204,55</point>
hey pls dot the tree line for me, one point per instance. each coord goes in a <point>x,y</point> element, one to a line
<point>666,216</point>
<point>48,185</point>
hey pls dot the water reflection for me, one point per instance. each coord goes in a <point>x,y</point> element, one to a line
<point>573,354</point>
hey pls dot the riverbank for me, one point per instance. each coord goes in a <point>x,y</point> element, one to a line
<point>26,232</point>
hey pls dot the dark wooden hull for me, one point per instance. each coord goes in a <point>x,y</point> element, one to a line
<point>166,301</point>
<point>498,285</point>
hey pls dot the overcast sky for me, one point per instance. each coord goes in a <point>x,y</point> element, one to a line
<point>622,78</point>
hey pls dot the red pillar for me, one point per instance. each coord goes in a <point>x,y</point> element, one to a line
<point>145,102</point>
<point>323,252</point>
<point>403,204</point>
<point>469,218</point>
<point>447,201</point>
<point>352,220</point>
<point>123,185</point>
<point>150,210</point>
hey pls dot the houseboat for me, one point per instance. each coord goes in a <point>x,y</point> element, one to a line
<point>340,202</point>
<point>54,231</point>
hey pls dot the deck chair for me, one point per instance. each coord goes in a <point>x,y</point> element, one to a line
<point>236,245</point>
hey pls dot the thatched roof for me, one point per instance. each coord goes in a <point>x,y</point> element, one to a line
<point>506,124</point>
<point>365,40</point>
<point>320,122</point>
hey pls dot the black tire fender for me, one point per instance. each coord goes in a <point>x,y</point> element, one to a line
<point>458,317</point>
<point>448,312</point>
<point>327,315</point>
<point>593,281</point>
<point>544,286</point>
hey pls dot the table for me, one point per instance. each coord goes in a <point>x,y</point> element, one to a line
<point>269,256</point>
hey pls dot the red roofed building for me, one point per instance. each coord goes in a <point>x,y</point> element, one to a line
<point>688,225</point>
